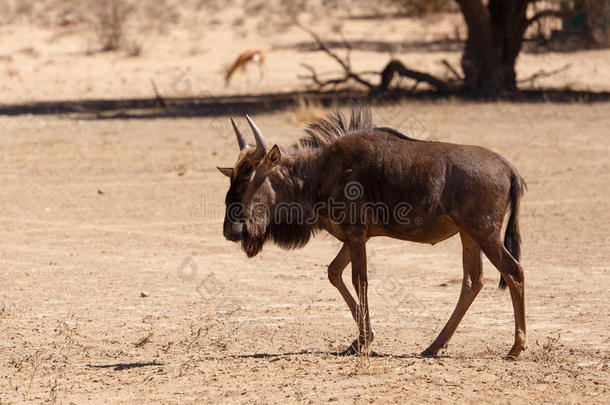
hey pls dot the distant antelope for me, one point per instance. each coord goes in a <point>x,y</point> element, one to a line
<point>248,57</point>
<point>432,190</point>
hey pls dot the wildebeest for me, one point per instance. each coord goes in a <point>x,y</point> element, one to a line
<point>356,181</point>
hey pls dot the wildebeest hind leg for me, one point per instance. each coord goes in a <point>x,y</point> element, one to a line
<point>471,285</point>
<point>513,274</point>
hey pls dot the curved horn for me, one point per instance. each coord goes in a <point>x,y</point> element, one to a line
<point>243,144</point>
<point>261,146</point>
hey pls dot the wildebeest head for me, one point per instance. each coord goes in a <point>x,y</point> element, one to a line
<point>249,173</point>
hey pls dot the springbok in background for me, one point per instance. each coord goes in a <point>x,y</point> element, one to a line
<point>248,57</point>
<point>357,181</point>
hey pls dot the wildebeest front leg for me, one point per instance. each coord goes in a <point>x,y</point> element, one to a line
<point>357,250</point>
<point>335,276</point>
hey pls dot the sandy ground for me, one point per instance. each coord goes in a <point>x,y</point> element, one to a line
<point>111,233</point>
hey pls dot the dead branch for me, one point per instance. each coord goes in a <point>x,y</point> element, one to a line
<point>313,76</point>
<point>552,13</point>
<point>158,96</point>
<point>387,74</point>
<point>145,340</point>
<point>396,67</point>
<point>455,73</point>
<point>322,46</point>
<point>543,73</point>
<point>345,64</point>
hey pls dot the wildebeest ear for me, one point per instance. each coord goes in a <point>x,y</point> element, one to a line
<point>227,171</point>
<point>273,156</point>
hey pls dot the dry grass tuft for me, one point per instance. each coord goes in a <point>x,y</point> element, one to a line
<point>550,351</point>
<point>35,360</point>
<point>145,340</point>
<point>134,49</point>
<point>305,111</point>
<point>109,18</point>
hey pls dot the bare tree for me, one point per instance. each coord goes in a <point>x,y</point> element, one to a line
<point>495,36</point>
<point>597,27</point>
<point>496,30</point>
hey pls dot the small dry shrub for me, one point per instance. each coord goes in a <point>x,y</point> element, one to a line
<point>109,18</point>
<point>12,10</point>
<point>24,7</point>
<point>549,351</point>
<point>134,49</point>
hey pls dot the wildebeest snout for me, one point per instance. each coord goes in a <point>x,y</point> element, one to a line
<point>232,231</point>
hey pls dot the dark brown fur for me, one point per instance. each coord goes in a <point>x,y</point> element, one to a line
<point>444,189</point>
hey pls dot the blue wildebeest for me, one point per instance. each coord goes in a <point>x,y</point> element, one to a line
<point>342,175</point>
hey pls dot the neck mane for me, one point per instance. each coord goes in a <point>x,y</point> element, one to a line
<point>293,186</point>
<point>290,191</point>
<point>326,130</point>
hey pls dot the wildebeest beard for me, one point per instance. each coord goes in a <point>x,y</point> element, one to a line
<point>285,235</point>
<point>255,230</point>
<point>269,221</point>
<point>252,244</point>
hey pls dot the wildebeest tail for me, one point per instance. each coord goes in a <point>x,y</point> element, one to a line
<point>512,236</point>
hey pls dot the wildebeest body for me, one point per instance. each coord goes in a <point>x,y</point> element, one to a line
<point>358,181</point>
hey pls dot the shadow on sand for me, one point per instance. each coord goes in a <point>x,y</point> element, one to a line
<point>149,108</point>
<point>124,366</point>
<point>320,353</point>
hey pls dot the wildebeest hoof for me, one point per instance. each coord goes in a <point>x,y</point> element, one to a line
<point>510,357</point>
<point>352,350</point>
<point>358,346</point>
<point>428,353</point>
<point>514,352</point>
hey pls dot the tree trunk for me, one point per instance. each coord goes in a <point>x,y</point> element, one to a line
<point>495,36</point>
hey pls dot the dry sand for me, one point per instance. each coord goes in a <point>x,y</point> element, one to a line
<point>95,213</point>
<point>116,285</point>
